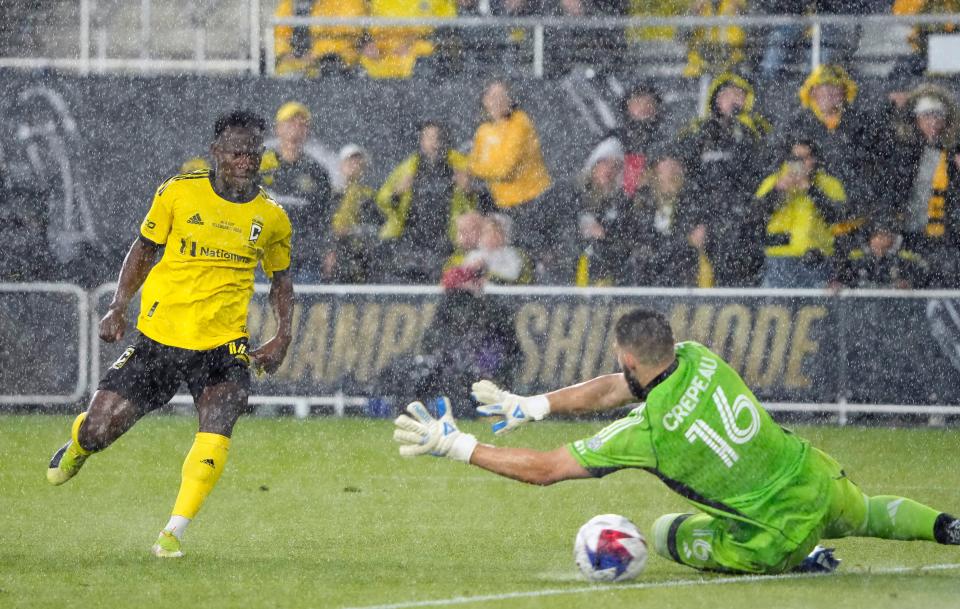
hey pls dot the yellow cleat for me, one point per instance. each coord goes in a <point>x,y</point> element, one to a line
<point>65,464</point>
<point>167,546</point>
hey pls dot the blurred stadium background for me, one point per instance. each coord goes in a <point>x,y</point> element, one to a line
<point>106,99</point>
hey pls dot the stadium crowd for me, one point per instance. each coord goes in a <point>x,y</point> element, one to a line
<point>834,195</point>
<point>836,192</point>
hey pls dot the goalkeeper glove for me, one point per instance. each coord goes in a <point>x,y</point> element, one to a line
<point>515,409</point>
<point>424,434</point>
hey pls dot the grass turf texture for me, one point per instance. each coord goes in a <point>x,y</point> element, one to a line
<point>323,513</point>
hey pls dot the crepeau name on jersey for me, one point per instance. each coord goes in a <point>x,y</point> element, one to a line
<point>691,397</point>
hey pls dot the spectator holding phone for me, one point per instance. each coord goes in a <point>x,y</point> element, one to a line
<point>798,204</point>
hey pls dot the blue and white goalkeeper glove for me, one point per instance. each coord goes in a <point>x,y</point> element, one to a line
<point>424,434</point>
<point>515,409</point>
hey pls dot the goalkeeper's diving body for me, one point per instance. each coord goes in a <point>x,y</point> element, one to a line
<point>216,227</point>
<point>765,496</point>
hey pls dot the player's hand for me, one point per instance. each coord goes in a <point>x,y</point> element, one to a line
<point>424,434</point>
<point>515,409</point>
<point>270,354</point>
<point>113,325</point>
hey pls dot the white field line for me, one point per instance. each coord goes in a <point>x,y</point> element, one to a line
<point>675,583</point>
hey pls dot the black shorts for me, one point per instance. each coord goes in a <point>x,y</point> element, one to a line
<point>149,373</point>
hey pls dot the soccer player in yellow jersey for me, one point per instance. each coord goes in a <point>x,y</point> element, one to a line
<point>214,227</point>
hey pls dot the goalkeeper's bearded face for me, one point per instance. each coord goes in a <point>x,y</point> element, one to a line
<point>626,361</point>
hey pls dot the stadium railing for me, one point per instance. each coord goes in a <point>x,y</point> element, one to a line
<point>92,36</point>
<point>58,330</point>
<point>19,384</point>
<point>538,26</point>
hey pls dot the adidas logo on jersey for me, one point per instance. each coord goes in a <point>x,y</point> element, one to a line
<point>195,219</point>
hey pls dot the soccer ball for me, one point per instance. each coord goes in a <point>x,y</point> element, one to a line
<point>610,548</point>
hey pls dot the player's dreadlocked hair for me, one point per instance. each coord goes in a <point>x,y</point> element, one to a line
<point>247,119</point>
<point>646,334</point>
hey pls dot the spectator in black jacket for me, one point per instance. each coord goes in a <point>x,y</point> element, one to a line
<point>656,231</point>
<point>472,337</point>
<point>843,134</point>
<point>599,202</point>
<point>302,186</point>
<point>641,129</point>
<point>722,158</point>
<point>883,262</point>
<point>922,180</point>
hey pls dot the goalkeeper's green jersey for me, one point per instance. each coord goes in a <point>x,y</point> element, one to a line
<point>702,431</point>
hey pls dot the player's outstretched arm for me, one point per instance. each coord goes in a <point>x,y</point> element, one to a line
<point>531,466</point>
<point>271,354</point>
<point>602,393</point>
<point>136,266</point>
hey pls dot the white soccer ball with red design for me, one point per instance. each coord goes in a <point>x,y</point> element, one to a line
<point>610,548</point>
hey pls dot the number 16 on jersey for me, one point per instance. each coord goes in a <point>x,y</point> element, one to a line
<point>700,430</point>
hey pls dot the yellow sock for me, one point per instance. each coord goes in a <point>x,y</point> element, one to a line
<point>201,470</point>
<point>75,433</point>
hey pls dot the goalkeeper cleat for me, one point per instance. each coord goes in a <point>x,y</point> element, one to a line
<point>65,464</point>
<point>167,546</point>
<point>820,560</point>
<point>946,530</point>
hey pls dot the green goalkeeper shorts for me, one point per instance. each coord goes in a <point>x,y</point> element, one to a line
<point>709,543</point>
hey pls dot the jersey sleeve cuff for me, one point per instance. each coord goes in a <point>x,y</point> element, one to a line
<point>596,472</point>
<point>269,272</point>
<point>150,241</point>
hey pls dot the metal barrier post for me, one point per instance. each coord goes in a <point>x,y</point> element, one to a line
<point>538,50</point>
<point>84,37</point>
<point>255,37</point>
<point>815,41</point>
<point>301,409</point>
<point>270,49</point>
<point>843,370</point>
<point>145,19</point>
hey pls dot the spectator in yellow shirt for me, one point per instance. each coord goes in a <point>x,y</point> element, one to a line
<point>801,201</point>
<point>506,155</point>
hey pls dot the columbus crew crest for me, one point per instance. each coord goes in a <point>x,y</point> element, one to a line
<point>255,229</point>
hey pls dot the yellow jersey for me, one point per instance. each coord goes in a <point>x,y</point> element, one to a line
<point>506,153</point>
<point>197,296</point>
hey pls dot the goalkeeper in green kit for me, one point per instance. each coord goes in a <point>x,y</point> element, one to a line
<point>765,496</point>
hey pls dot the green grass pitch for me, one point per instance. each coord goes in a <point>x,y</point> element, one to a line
<point>323,514</point>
